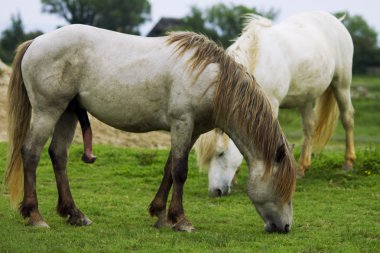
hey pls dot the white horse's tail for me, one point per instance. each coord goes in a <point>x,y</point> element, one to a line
<point>19,115</point>
<point>327,112</point>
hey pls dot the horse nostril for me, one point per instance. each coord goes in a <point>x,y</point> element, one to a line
<point>287,228</point>
<point>215,193</point>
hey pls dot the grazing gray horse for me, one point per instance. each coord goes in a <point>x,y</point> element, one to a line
<point>183,83</point>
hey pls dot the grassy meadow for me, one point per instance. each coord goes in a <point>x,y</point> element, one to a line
<point>334,211</point>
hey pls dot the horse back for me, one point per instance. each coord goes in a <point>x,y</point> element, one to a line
<point>314,47</point>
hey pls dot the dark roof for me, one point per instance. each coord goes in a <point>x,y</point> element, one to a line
<point>164,25</point>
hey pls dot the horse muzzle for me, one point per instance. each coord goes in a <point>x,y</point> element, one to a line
<point>219,192</point>
<point>271,227</point>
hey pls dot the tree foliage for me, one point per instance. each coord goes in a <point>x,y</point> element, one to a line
<point>364,37</point>
<point>118,15</point>
<point>222,22</point>
<point>13,36</point>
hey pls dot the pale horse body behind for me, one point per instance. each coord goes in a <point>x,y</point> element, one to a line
<point>182,83</point>
<point>305,59</point>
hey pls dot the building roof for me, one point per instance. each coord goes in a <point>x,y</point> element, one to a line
<point>164,25</point>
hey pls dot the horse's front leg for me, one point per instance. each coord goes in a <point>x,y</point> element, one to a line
<point>182,140</point>
<point>62,137</point>
<point>158,205</point>
<point>176,214</point>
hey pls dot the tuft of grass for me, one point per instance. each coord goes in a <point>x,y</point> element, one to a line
<point>146,158</point>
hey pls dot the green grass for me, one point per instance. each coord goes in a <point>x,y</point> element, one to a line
<point>333,211</point>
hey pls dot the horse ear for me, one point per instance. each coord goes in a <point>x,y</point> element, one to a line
<point>280,153</point>
<point>291,147</point>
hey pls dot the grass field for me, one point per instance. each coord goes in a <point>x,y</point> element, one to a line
<point>333,211</point>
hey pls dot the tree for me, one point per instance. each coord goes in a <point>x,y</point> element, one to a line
<point>364,37</point>
<point>222,22</point>
<point>13,36</point>
<point>119,15</point>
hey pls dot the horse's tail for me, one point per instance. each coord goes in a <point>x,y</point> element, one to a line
<point>327,112</point>
<point>19,115</point>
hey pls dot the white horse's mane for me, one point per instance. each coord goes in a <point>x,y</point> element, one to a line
<point>251,24</point>
<point>252,20</point>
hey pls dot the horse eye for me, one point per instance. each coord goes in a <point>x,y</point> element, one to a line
<point>221,154</point>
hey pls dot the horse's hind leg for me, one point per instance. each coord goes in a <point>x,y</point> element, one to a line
<point>82,115</point>
<point>62,138</point>
<point>41,129</point>
<point>343,97</point>
<point>308,122</point>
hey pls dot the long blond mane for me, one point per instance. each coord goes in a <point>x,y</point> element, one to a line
<point>206,146</point>
<point>240,99</point>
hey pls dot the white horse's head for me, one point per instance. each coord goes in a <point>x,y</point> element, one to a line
<point>224,159</point>
<point>224,166</point>
<point>217,153</point>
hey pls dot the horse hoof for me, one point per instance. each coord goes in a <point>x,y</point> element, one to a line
<point>79,221</point>
<point>88,159</point>
<point>347,167</point>
<point>38,224</point>
<point>184,225</point>
<point>161,224</point>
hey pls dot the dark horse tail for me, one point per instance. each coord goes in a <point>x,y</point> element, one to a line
<point>19,115</point>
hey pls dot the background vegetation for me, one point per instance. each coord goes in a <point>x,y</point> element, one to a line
<point>220,22</point>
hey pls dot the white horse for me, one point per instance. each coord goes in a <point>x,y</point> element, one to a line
<point>183,83</point>
<point>303,60</point>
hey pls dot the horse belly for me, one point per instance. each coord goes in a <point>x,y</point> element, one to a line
<point>133,108</point>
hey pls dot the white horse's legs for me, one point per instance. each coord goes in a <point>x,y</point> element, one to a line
<point>62,138</point>
<point>41,129</point>
<point>308,121</point>
<point>343,98</point>
<point>175,174</point>
<point>182,141</point>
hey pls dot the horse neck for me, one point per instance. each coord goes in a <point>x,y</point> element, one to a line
<point>241,140</point>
